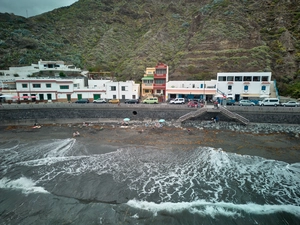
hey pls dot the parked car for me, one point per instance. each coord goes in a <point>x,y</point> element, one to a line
<point>114,101</point>
<point>82,101</point>
<point>151,100</point>
<point>230,101</point>
<point>246,103</point>
<point>99,100</point>
<point>269,102</point>
<point>193,104</point>
<point>132,101</point>
<point>177,101</point>
<point>291,104</point>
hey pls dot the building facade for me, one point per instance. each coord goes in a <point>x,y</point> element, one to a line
<point>68,90</point>
<point>245,85</point>
<point>147,82</point>
<point>200,90</point>
<point>154,81</point>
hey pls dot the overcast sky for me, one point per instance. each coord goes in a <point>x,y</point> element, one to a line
<point>28,8</point>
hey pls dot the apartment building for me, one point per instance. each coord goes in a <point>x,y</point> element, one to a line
<point>191,89</point>
<point>245,85</point>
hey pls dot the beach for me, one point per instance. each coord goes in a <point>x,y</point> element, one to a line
<point>106,137</point>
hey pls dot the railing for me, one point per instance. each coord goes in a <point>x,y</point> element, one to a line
<point>234,115</point>
<point>192,114</point>
<point>204,110</point>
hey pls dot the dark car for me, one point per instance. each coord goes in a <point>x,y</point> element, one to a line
<point>82,101</point>
<point>132,101</point>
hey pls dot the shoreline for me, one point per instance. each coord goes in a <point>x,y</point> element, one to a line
<point>108,137</point>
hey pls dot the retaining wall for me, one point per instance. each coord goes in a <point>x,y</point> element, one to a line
<point>22,116</point>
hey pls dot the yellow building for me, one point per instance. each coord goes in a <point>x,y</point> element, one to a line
<point>147,82</point>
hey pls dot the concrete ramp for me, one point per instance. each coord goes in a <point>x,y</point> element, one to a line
<point>221,109</point>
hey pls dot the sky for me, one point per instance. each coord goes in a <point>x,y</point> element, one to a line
<point>28,8</point>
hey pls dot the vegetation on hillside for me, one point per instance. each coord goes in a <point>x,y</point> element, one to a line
<point>197,39</point>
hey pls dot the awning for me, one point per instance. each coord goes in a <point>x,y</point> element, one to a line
<point>148,78</point>
<point>250,95</point>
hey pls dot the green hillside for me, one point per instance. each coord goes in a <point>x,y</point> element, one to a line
<point>196,39</point>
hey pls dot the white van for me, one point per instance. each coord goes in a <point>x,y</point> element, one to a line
<point>269,102</point>
<point>177,101</point>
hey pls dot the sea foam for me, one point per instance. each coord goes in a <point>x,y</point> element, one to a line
<point>23,184</point>
<point>204,208</point>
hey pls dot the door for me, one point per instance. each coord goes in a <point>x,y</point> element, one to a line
<point>49,96</point>
<point>97,96</point>
<point>79,96</point>
<point>237,98</point>
<point>68,97</point>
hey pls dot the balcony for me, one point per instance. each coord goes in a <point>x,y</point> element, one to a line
<point>159,86</point>
<point>160,76</point>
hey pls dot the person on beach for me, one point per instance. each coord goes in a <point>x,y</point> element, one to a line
<point>75,134</point>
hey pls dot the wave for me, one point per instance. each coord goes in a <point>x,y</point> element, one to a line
<point>204,208</point>
<point>157,175</point>
<point>26,185</point>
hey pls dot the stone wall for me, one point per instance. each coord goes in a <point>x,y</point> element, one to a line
<point>20,116</point>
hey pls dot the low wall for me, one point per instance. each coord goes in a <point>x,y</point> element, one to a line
<point>59,114</point>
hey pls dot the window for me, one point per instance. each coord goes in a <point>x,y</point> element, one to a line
<point>265,78</point>
<point>123,96</point>
<point>36,85</point>
<point>114,96</point>
<point>124,88</point>
<point>201,85</point>
<point>160,81</point>
<point>113,88</point>
<point>247,78</point>
<point>230,78</point>
<point>160,71</point>
<point>158,91</point>
<point>263,88</point>
<point>256,78</point>
<point>63,87</point>
<point>48,85</point>
<point>222,78</point>
<point>147,91</point>
<point>246,87</point>
<point>193,85</point>
<point>230,87</point>
<point>238,78</point>
<point>24,86</point>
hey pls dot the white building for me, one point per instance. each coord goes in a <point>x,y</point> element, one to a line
<point>245,85</point>
<point>68,90</point>
<point>24,71</point>
<point>191,89</point>
<point>122,90</point>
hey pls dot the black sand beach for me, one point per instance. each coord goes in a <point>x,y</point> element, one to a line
<point>104,138</point>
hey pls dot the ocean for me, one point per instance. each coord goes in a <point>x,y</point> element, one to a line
<point>60,181</point>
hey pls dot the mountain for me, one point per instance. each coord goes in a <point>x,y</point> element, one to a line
<point>197,39</point>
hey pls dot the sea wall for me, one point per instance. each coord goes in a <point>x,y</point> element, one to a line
<point>72,114</point>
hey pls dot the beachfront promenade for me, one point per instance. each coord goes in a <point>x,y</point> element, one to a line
<point>32,105</point>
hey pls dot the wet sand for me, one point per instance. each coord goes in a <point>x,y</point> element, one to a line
<point>110,137</point>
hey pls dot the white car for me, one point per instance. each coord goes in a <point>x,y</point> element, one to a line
<point>246,103</point>
<point>177,101</point>
<point>291,104</point>
<point>100,100</point>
